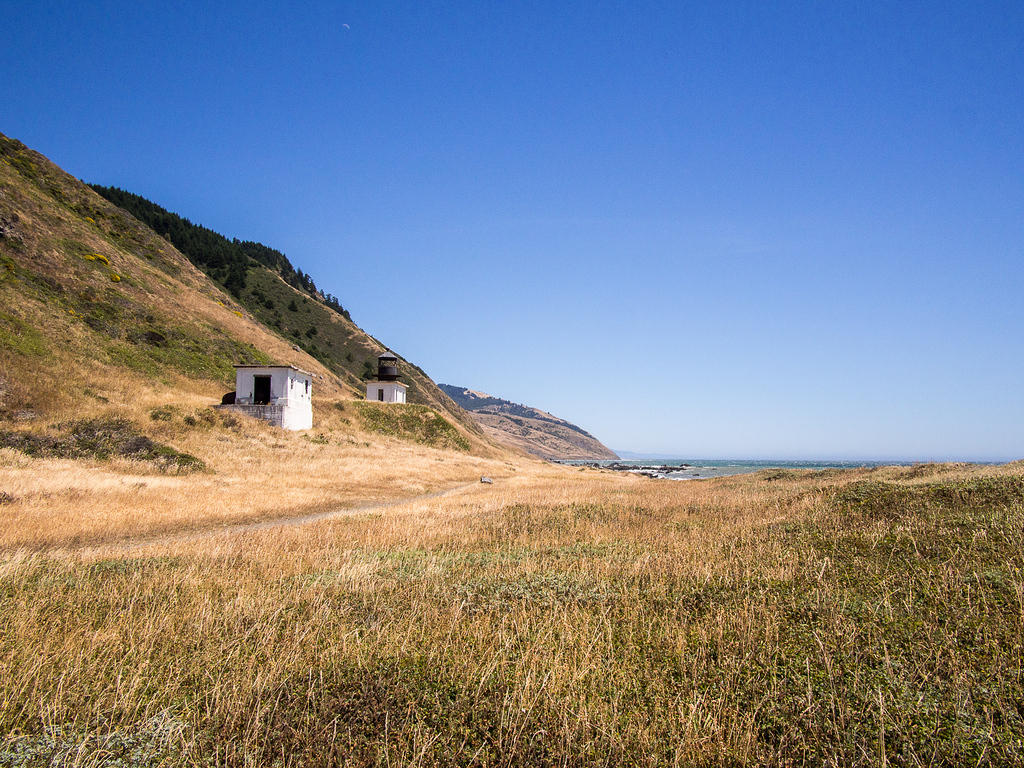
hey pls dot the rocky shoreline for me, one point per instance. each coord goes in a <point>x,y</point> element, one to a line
<point>647,470</point>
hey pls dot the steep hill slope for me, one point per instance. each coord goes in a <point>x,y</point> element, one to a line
<point>98,313</point>
<point>284,299</point>
<point>529,429</point>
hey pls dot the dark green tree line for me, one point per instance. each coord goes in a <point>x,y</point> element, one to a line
<point>226,261</point>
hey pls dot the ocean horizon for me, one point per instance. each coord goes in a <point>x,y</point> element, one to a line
<point>703,469</point>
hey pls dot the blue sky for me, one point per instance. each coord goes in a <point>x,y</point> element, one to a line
<point>785,230</point>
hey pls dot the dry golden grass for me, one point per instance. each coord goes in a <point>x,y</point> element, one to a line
<point>256,472</point>
<point>559,617</point>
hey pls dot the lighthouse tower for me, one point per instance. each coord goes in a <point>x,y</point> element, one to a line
<point>386,388</point>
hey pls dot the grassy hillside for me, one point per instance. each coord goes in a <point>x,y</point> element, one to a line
<point>88,295</point>
<point>100,316</point>
<point>285,300</point>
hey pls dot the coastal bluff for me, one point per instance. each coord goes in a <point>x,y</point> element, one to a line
<point>529,429</point>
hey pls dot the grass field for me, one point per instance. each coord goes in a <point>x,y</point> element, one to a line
<point>199,468</point>
<point>558,617</point>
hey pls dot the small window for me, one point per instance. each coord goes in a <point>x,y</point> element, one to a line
<point>307,387</point>
<point>380,395</point>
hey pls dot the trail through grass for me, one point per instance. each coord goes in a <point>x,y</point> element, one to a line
<point>560,618</point>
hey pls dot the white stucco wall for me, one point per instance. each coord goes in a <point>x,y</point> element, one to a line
<point>394,391</point>
<point>290,389</point>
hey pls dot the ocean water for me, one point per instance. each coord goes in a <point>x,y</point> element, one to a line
<point>700,469</point>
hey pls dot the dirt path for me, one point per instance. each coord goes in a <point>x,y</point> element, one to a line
<point>136,542</point>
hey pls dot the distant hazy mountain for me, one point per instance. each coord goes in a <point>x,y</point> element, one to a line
<point>529,429</point>
<point>636,456</point>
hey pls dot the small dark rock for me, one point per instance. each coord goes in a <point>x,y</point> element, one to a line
<point>9,228</point>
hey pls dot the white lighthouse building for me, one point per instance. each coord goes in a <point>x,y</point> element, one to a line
<point>280,394</point>
<point>386,388</point>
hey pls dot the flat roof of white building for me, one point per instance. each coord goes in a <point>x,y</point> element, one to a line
<point>272,365</point>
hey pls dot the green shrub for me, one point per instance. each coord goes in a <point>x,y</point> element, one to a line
<point>890,500</point>
<point>22,338</point>
<point>101,438</point>
<point>163,413</point>
<point>414,423</point>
